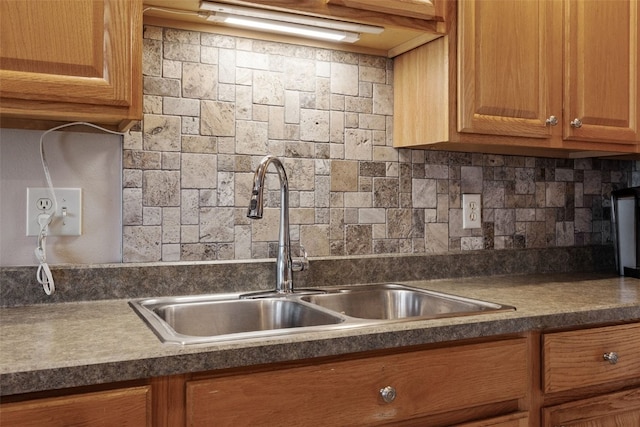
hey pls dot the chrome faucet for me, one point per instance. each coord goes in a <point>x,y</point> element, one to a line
<point>284,264</point>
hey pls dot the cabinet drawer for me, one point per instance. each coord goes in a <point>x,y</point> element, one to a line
<point>615,409</point>
<point>349,392</point>
<point>520,419</point>
<point>576,359</point>
<point>122,407</point>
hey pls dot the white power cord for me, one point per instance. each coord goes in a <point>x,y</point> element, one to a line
<point>43,274</point>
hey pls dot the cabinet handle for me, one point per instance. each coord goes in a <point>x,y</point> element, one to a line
<point>576,123</point>
<point>612,357</point>
<point>552,120</point>
<point>388,394</point>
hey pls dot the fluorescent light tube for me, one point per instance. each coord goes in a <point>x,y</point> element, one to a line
<point>287,28</point>
<point>287,23</point>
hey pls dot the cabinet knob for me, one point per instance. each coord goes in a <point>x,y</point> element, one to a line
<point>611,357</point>
<point>576,123</point>
<point>552,120</point>
<point>388,394</point>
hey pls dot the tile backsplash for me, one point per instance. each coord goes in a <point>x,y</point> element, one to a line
<point>215,105</point>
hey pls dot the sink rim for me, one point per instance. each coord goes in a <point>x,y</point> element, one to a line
<point>144,308</point>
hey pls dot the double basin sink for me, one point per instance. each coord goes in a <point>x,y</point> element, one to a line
<point>228,317</point>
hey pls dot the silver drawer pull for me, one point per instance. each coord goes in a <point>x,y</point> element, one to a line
<point>612,357</point>
<point>552,120</point>
<point>576,123</point>
<point>388,394</point>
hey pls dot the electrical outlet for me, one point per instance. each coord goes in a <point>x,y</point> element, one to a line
<point>471,211</point>
<point>66,221</point>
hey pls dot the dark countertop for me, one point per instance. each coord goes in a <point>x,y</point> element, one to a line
<point>52,346</point>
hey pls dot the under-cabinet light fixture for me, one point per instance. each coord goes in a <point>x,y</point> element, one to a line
<point>286,23</point>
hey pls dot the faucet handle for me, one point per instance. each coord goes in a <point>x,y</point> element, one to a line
<point>300,264</point>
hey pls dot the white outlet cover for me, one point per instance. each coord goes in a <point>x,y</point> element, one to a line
<point>471,211</point>
<point>67,220</point>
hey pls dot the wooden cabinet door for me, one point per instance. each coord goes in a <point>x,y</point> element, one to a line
<point>612,410</point>
<point>350,392</point>
<point>602,72</point>
<point>422,9</point>
<point>520,419</point>
<point>71,59</point>
<point>120,407</point>
<point>509,82</point>
<point>575,359</point>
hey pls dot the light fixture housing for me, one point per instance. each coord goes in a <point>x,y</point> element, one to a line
<point>286,23</point>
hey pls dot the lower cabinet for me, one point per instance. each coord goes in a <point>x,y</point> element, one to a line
<point>592,377</point>
<point>581,378</point>
<point>466,382</point>
<point>611,410</point>
<point>119,407</point>
<point>520,419</point>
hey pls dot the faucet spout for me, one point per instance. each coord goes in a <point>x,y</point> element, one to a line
<point>284,270</point>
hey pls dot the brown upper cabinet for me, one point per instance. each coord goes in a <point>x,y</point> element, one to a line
<point>537,77</point>
<point>70,60</point>
<point>422,9</point>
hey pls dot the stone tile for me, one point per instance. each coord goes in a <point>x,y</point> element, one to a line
<point>423,193</point>
<point>314,125</point>
<point>555,194</point>
<point>344,175</point>
<point>161,133</point>
<point>199,170</point>
<point>217,118</point>
<point>141,244</point>
<point>385,192</point>
<point>344,79</point>
<point>251,137</point>
<point>358,240</point>
<point>161,188</point>
<point>382,99</point>
<point>268,88</point>
<point>216,224</point>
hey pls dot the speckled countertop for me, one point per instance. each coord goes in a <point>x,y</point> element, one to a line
<point>51,346</point>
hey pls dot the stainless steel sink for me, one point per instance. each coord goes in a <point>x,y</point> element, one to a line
<point>227,317</point>
<point>392,302</point>
<point>208,318</point>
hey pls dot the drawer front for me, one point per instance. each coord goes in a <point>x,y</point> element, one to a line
<point>615,409</point>
<point>349,392</point>
<point>122,407</point>
<point>577,358</point>
<point>520,419</point>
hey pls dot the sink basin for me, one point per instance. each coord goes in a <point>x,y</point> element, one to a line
<point>206,319</point>
<point>227,317</point>
<point>393,302</point>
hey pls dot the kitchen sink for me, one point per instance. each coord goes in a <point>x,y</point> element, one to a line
<point>188,320</point>
<point>393,302</point>
<point>228,317</point>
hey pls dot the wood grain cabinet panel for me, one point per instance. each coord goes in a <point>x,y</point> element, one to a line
<point>520,419</point>
<point>576,359</point>
<point>613,410</point>
<point>121,407</point>
<point>69,60</point>
<point>506,67</point>
<point>602,72</point>
<point>511,77</point>
<point>422,9</point>
<point>349,392</point>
